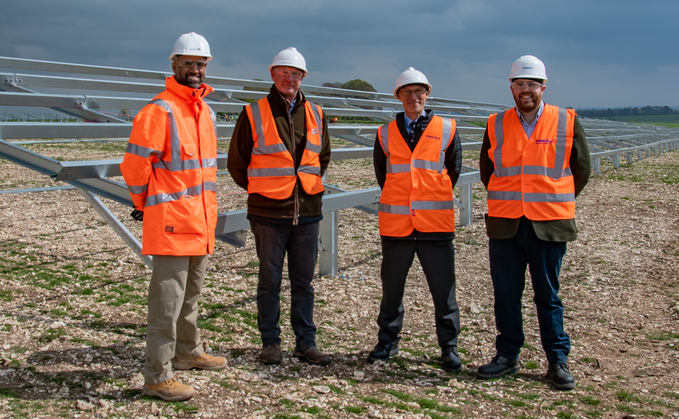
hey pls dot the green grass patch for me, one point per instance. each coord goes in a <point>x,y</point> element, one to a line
<point>590,401</point>
<point>51,335</point>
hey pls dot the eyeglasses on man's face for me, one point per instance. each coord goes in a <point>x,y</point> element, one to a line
<point>408,92</point>
<point>190,63</point>
<point>296,75</point>
<point>521,84</point>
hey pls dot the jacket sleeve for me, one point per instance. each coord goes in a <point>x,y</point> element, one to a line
<point>486,166</point>
<point>580,161</point>
<point>240,150</point>
<point>326,147</point>
<point>379,161</point>
<point>145,147</point>
<point>453,158</point>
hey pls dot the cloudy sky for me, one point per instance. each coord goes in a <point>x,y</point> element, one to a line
<point>603,53</point>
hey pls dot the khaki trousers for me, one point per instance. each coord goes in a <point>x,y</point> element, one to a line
<point>175,285</point>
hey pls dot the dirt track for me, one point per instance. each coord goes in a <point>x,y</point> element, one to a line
<point>73,305</point>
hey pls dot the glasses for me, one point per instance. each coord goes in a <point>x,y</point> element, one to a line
<point>532,85</point>
<point>189,63</point>
<point>408,92</point>
<point>296,75</point>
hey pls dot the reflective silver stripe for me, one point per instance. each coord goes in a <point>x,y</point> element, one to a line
<point>384,136</point>
<point>280,171</point>
<point>210,162</point>
<point>432,205</point>
<point>426,164</point>
<point>549,197</point>
<point>546,171</point>
<point>445,138</point>
<point>507,171</point>
<point>398,168</point>
<point>269,149</point>
<point>504,195</point>
<point>175,150</point>
<point>312,170</point>
<point>257,117</point>
<point>394,209</point>
<point>136,190</point>
<point>144,152</point>
<point>177,166</point>
<point>499,142</point>
<point>561,128</point>
<point>319,121</point>
<point>210,186</point>
<point>214,119</point>
<point>164,198</point>
<point>314,148</point>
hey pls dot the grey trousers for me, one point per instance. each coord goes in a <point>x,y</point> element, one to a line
<point>175,285</point>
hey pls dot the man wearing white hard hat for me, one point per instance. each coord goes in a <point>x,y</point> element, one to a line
<point>170,168</point>
<point>279,150</point>
<point>418,160</point>
<point>534,162</point>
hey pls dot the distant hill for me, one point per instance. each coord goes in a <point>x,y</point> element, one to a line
<point>646,110</point>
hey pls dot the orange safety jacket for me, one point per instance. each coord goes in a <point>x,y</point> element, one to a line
<point>271,171</point>
<point>417,193</point>
<point>170,168</point>
<point>532,176</point>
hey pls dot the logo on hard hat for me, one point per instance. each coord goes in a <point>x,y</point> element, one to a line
<point>527,68</point>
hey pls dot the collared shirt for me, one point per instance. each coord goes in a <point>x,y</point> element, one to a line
<point>528,128</point>
<point>292,106</point>
<point>409,122</point>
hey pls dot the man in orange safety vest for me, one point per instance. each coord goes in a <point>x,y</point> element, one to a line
<point>534,161</point>
<point>170,168</point>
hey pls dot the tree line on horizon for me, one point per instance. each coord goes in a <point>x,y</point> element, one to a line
<point>646,110</point>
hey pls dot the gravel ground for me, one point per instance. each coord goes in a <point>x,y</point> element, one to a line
<point>73,313</point>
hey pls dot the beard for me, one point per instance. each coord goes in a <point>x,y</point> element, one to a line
<point>192,83</point>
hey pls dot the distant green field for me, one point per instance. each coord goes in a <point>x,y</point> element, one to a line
<point>671,121</point>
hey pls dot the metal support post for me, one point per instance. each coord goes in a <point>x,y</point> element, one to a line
<point>597,166</point>
<point>640,154</point>
<point>466,197</point>
<point>616,160</point>
<point>630,157</point>
<point>117,226</point>
<point>328,244</point>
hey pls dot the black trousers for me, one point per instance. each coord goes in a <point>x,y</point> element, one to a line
<point>438,262</point>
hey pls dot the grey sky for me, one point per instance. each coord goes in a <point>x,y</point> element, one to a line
<point>605,53</point>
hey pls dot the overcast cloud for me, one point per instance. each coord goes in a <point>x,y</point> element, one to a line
<point>605,53</point>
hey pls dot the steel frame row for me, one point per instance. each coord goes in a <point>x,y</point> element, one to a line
<point>87,92</point>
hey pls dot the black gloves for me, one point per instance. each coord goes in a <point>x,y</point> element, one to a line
<point>137,215</point>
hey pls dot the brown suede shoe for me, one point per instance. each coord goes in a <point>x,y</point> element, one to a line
<point>170,390</point>
<point>202,362</point>
<point>313,356</point>
<point>271,355</point>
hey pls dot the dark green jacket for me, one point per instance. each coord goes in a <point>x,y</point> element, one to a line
<point>551,231</point>
<point>240,150</point>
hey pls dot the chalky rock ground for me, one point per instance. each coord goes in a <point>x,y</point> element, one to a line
<point>73,313</point>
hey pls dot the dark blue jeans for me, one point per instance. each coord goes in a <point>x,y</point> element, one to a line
<point>272,242</point>
<point>438,263</point>
<point>508,261</point>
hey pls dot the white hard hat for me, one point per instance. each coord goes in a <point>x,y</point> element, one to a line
<point>289,57</point>
<point>191,44</point>
<point>528,67</point>
<point>410,76</point>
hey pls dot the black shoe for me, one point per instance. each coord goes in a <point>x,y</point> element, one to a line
<point>450,358</point>
<point>271,355</point>
<point>383,351</point>
<point>498,367</point>
<point>560,376</point>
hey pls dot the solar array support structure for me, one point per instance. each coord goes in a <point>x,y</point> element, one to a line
<point>85,92</point>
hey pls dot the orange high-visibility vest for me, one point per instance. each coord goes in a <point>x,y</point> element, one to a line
<point>532,176</point>
<point>417,193</point>
<point>170,168</point>
<point>271,171</point>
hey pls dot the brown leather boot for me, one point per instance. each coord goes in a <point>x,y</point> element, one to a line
<point>313,356</point>
<point>202,362</point>
<point>271,355</point>
<point>170,390</point>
